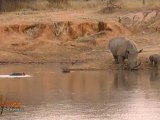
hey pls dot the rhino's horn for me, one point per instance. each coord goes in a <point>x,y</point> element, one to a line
<point>138,65</point>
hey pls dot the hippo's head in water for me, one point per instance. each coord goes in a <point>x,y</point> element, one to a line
<point>18,74</point>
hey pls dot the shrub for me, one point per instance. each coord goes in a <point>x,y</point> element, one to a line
<point>10,5</point>
<point>58,1</point>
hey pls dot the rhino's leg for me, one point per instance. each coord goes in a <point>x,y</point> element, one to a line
<point>151,61</point>
<point>115,59</point>
<point>155,63</point>
<point>158,65</point>
<point>121,61</point>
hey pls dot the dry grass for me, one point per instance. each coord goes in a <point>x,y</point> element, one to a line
<point>87,4</point>
<point>134,4</point>
<point>80,4</point>
<point>130,4</point>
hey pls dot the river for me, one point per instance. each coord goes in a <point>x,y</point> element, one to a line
<point>80,95</point>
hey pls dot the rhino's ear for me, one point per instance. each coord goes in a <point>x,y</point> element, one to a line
<point>140,51</point>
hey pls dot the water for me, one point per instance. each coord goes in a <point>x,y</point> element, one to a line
<point>82,95</point>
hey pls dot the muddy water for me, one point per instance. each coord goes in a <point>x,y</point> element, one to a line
<point>81,95</point>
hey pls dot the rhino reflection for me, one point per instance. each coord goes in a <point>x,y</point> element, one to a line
<point>155,83</point>
<point>125,79</point>
<point>155,75</point>
<point>98,86</point>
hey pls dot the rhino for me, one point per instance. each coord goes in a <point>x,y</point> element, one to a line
<point>123,48</point>
<point>155,59</point>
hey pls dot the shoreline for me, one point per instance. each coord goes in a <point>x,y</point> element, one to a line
<point>80,66</point>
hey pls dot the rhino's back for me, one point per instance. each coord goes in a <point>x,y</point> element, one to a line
<point>116,43</point>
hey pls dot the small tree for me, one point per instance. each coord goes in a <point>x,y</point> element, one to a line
<point>1,5</point>
<point>112,1</point>
<point>112,5</point>
<point>143,2</point>
<point>58,1</point>
<point>9,5</point>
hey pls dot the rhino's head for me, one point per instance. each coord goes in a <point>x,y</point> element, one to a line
<point>132,59</point>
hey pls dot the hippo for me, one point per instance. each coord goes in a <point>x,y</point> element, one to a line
<point>17,74</point>
<point>155,59</point>
<point>123,48</point>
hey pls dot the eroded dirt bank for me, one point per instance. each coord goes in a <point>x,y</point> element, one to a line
<point>77,39</point>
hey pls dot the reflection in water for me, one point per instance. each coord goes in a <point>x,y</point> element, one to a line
<point>155,75</point>
<point>126,79</point>
<point>98,95</point>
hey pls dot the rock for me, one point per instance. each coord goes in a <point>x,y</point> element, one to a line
<point>66,70</point>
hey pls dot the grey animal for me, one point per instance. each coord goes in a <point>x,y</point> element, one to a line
<point>122,49</point>
<point>155,59</point>
<point>17,74</point>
